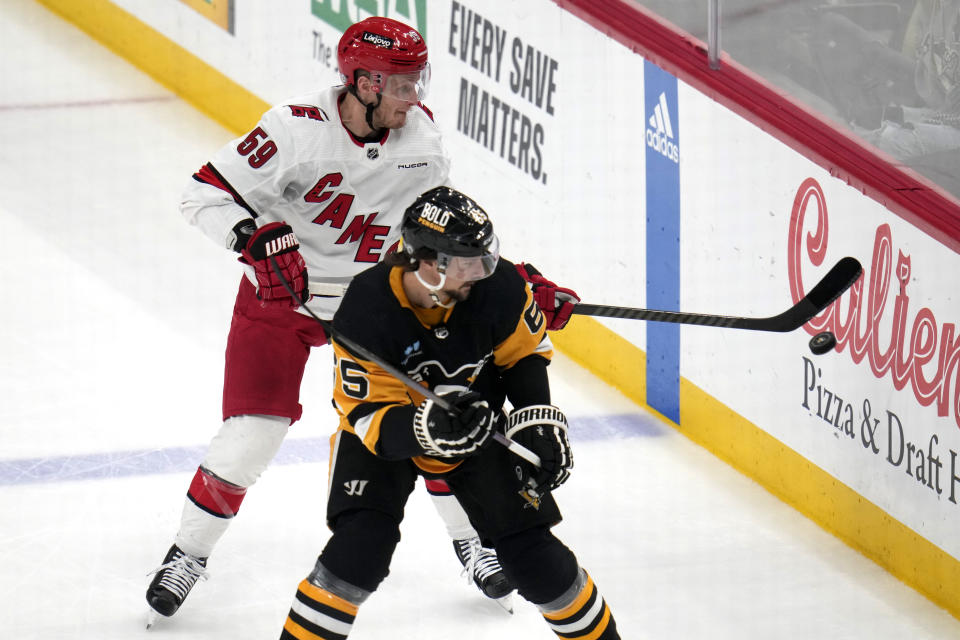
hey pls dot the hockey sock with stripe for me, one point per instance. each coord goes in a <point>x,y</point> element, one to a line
<point>317,614</point>
<point>214,495</point>
<point>324,607</point>
<point>208,510</point>
<point>454,517</point>
<point>581,613</point>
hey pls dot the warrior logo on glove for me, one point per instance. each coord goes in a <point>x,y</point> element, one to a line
<point>276,242</point>
<point>543,430</point>
<point>289,241</point>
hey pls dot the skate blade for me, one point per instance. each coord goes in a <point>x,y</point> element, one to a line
<point>506,602</point>
<point>152,617</point>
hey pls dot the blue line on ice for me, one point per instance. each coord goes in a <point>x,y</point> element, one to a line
<point>118,464</point>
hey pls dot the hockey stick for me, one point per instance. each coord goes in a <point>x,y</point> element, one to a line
<point>365,353</point>
<point>838,279</point>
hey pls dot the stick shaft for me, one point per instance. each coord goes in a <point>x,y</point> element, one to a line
<point>516,448</point>
<point>653,315</point>
<point>838,279</point>
<point>362,351</point>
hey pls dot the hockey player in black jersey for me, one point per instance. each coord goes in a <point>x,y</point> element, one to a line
<point>453,316</point>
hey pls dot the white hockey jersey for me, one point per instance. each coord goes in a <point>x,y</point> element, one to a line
<point>343,198</point>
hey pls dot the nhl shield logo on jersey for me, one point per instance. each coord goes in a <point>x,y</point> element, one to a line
<point>373,153</point>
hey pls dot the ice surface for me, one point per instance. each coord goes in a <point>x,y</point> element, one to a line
<point>114,322</point>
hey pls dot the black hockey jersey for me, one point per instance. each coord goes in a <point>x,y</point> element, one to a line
<point>468,345</point>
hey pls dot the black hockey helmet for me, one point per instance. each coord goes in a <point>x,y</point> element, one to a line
<point>457,229</point>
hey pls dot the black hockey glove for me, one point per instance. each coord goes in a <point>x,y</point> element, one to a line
<point>458,434</point>
<point>542,429</point>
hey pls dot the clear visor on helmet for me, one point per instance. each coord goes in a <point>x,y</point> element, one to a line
<point>409,87</point>
<point>473,267</point>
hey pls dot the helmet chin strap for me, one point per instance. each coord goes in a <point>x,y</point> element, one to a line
<point>432,289</point>
<point>370,108</point>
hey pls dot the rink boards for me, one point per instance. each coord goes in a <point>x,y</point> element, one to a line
<point>638,189</point>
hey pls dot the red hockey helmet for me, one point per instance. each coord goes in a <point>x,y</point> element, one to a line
<point>386,48</point>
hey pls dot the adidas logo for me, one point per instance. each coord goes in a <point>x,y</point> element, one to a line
<point>660,131</point>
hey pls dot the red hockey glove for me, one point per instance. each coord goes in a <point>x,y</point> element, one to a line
<point>555,302</point>
<point>276,240</point>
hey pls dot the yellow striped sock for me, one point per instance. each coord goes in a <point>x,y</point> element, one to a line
<point>317,614</point>
<point>587,617</point>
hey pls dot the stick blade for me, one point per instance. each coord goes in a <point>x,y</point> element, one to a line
<point>838,279</point>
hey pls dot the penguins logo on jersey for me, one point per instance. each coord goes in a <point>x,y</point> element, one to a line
<point>435,374</point>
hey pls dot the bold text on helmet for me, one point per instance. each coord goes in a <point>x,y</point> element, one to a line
<point>435,216</point>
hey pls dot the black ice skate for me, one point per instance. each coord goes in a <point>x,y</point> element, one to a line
<point>172,581</point>
<point>481,564</point>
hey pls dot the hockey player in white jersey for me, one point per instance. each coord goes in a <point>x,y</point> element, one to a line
<point>319,186</point>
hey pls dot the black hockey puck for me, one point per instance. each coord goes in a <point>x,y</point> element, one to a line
<point>822,342</point>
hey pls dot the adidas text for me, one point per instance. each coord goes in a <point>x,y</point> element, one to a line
<point>660,143</point>
<point>660,135</point>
